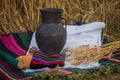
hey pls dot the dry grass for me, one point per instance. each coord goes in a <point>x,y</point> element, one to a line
<point>85,54</point>
<point>24,15</point>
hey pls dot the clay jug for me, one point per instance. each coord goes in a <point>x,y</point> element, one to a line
<point>51,35</point>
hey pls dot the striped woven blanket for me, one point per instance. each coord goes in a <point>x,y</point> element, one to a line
<point>16,44</point>
<point>41,60</point>
<point>12,46</point>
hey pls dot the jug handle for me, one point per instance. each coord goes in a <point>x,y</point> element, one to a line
<point>65,22</point>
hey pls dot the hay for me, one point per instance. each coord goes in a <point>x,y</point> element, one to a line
<point>24,15</point>
<point>85,54</point>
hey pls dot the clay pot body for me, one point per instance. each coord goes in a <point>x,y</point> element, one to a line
<point>51,35</point>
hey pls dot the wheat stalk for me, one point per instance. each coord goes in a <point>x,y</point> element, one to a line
<point>23,15</point>
<point>86,54</point>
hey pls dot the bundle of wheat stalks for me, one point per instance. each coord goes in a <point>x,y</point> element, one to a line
<point>24,15</point>
<point>86,54</point>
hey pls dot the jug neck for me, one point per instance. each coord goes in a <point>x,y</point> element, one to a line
<point>51,15</point>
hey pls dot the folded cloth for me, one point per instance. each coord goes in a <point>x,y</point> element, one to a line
<point>42,60</point>
<point>37,60</point>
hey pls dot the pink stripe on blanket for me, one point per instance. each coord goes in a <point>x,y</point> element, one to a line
<point>54,55</point>
<point>4,75</point>
<point>10,70</point>
<point>10,46</point>
<point>16,44</point>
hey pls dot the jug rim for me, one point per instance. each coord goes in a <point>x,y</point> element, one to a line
<point>52,9</point>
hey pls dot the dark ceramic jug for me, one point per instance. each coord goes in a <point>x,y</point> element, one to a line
<point>51,35</point>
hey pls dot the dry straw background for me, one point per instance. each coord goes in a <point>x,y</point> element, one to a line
<point>24,15</point>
